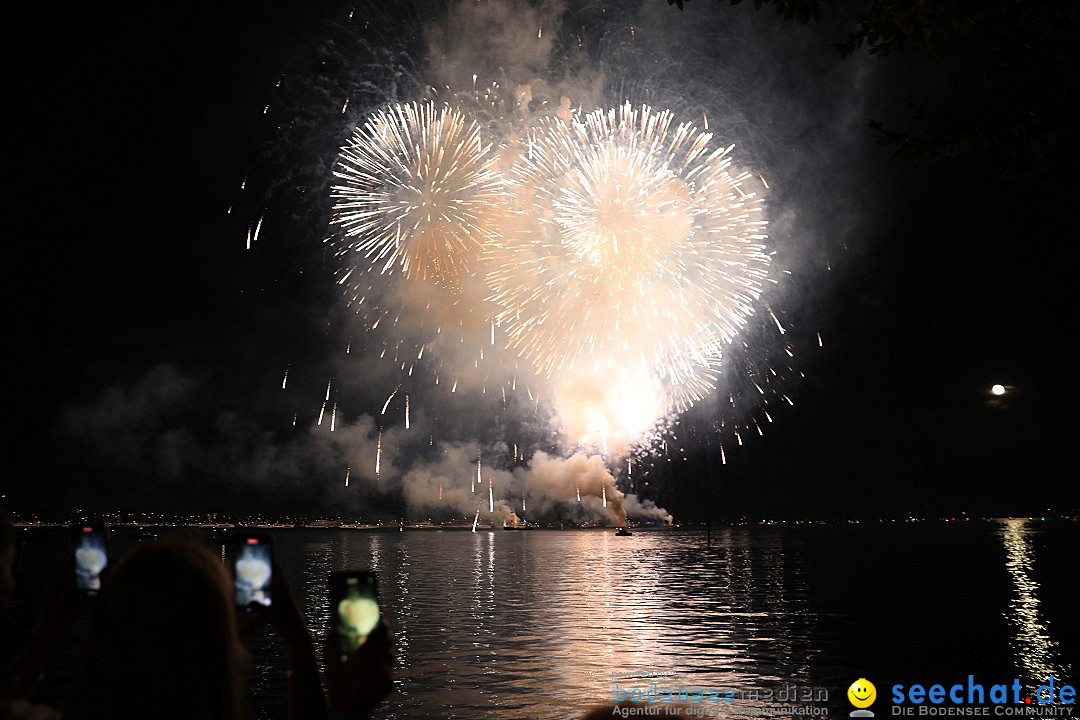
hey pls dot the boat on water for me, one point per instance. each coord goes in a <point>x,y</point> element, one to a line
<point>623,532</point>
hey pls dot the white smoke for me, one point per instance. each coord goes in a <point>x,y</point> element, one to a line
<point>579,488</point>
<point>140,430</point>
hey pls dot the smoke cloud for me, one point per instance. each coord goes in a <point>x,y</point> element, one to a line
<point>511,43</point>
<point>140,431</point>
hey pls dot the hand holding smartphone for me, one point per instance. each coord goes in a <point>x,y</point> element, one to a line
<point>91,556</point>
<point>354,609</point>
<point>253,570</point>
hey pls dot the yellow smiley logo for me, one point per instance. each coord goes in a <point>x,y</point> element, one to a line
<point>862,693</point>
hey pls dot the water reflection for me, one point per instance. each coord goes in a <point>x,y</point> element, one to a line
<point>528,624</point>
<point>534,623</point>
<point>538,624</point>
<point>1034,650</point>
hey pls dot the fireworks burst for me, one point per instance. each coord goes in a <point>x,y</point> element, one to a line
<point>416,203</point>
<point>416,185</point>
<point>636,253</point>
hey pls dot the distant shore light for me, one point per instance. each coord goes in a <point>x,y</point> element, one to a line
<point>998,389</point>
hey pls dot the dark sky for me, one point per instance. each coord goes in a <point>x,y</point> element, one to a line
<point>142,124</point>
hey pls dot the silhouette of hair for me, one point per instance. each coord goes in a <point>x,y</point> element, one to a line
<point>163,643</point>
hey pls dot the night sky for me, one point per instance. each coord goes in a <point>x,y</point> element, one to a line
<point>946,278</point>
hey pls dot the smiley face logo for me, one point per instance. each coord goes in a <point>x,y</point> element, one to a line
<point>862,693</point>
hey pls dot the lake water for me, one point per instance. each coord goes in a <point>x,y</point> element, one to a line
<point>542,624</point>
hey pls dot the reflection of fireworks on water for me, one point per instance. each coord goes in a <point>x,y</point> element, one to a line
<point>636,254</point>
<point>416,185</point>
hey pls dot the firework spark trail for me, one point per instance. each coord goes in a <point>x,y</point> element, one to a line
<point>378,453</point>
<point>388,399</point>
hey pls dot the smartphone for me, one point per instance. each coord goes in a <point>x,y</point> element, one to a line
<point>253,569</point>
<point>354,609</point>
<point>91,556</point>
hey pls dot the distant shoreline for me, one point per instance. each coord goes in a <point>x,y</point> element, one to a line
<point>346,526</point>
<point>468,526</point>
